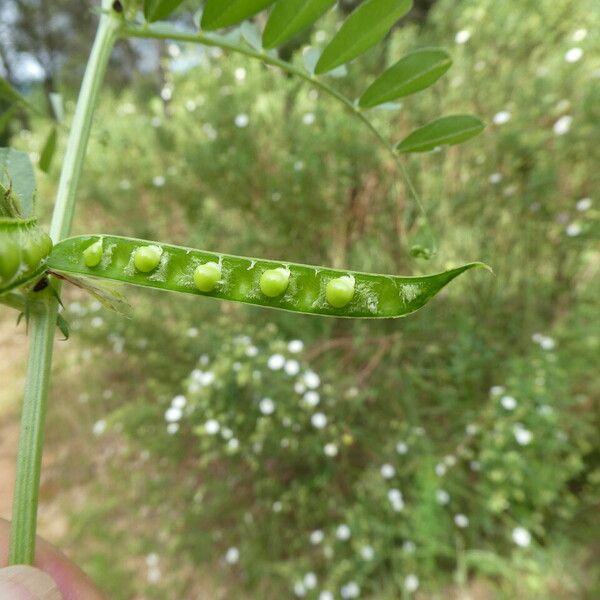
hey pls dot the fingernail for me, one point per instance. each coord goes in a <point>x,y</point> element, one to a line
<point>27,583</point>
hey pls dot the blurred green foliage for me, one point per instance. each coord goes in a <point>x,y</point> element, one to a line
<point>297,455</point>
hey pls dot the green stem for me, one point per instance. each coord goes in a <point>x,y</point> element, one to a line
<point>43,313</point>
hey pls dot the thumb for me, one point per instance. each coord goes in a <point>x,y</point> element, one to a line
<point>27,583</point>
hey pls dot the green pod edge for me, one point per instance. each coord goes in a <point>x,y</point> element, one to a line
<point>375,296</point>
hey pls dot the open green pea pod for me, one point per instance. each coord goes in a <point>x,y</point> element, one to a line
<point>24,248</point>
<point>282,285</point>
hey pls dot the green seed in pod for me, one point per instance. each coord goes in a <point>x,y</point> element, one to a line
<point>36,247</point>
<point>10,259</point>
<point>207,276</point>
<point>274,282</point>
<point>92,255</point>
<point>146,258</point>
<point>340,291</point>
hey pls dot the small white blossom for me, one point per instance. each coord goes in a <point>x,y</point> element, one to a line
<point>461,520</point>
<point>496,390</point>
<point>152,559</point>
<point>295,346</point>
<point>330,450</point>
<point>563,125</point>
<point>299,589</point>
<point>277,506</point>
<point>308,118</point>
<point>450,460</point>
<point>232,556</point>
<point>291,367</point>
<point>172,428</point>
<point>396,500</point>
<point>495,178</point>
<point>97,322</point>
<point>242,120</point>
<point>579,35</point>
<point>521,537</point>
<point>343,532</point>
<point>442,497</point>
<point>501,117</point>
<point>411,583</point>
<point>311,380</point>
<point>573,229</point>
<point>276,362</point>
<point>350,590</point>
<point>326,595</point>
<point>471,429</point>
<point>367,552</point>
<point>212,427</point>
<point>319,420</point>
<point>267,406</point>
<point>158,180</point>
<point>316,537</point>
<point>440,469</point>
<point>190,105</point>
<point>462,36</point>
<point>153,575</point>
<point>240,74</point>
<point>310,581</point>
<point>251,351</point>
<point>312,398</point>
<point>99,427</point>
<point>584,204</point>
<point>408,547</point>
<point>572,55</point>
<point>178,401</point>
<point>299,166</point>
<point>233,444</point>
<point>508,402</point>
<point>401,448</point>
<point>387,471</point>
<point>522,435</point>
<point>299,387</point>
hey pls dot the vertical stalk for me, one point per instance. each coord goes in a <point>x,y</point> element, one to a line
<point>43,313</point>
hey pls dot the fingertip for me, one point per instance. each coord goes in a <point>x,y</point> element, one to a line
<point>22,582</point>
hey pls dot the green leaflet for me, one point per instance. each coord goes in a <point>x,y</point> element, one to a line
<point>446,131</point>
<point>412,73</point>
<point>156,10</point>
<point>364,28</point>
<point>16,176</point>
<point>289,17</point>
<point>374,296</point>
<point>47,153</point>
<point>224,13</point>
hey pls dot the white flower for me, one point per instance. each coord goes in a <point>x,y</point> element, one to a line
<point>475,465</point>
<point>233,444</point>
<point>579,35</point>
<point>299,165</point>
<point>508,402</point>
<point>299,589</point>
<point>495,178</point>
<point>291,367</point>
<point>232,556</point>
<point>155,121</point>
<point>325,595</point>
<point>367,552</point>
<point>276,362</point>
<point>584,204</point>
<point>312,398</point>
<point>396,500</point>
<point>408,547</point>
<point>563,125</point>
<point>277,506</point>
<point>461,520</point>
<point>166,93</point>
<point>242,120</point>
<point>178,401</point>
<point>267,406</point>
<point>299,387</point>
<point>295,346</point>
<point>158,180</point>
<point>572,55</point>
<point>190,105</point>
<point>522,435</point>
<point>471,429</point>
<point>153,575</point>
<point>343,532</point>
<point>152,559</point>
<point>547,343</point>
<point>573,229</point>
<point>440,469</point>
<point>330,450</point>
<point>462,36</point>
<point>401,448</point>
<point>316,537</point>
<point>251,351</point>
<point>521,537</point>
<point>99,427</point>
<point>276,197</point>
<point>310,581</point>
<point>450,460</point>
<point>350,590</point>
<point>387,471</point>
<point>411,583</point>
<point>311,380</point>
<point>496,390</point>
<point>172,428</point>
<point>501,117</point>
<point>97,322</point>
<point>319,420</point>
<point>240,74</point>
<point>173,414</point>
<point>442,497</point>
<point>308,118</point>
<point>212,426</point>
<point>125,184</point>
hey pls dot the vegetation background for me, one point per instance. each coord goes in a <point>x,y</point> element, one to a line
<point>457,454</point>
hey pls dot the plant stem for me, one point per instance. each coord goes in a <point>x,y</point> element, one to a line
<point>44,311</point>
